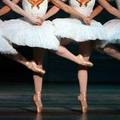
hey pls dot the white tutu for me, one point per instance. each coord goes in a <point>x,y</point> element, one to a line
<point>113,30</point>
<point>22,33</point>
<point>5,46</point>
<point>74,29</point>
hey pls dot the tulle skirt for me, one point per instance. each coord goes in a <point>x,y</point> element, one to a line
<point>74,29</point>
<point>5,46</point>
<point>21,32</point>
<point>113,30</point>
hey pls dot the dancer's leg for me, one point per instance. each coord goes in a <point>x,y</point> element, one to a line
<point>85,49</point>
<point>22,60</point>
<point>9,51</point>
<point>38,78</point>
<point>112,51</point>
<point>62,51</point>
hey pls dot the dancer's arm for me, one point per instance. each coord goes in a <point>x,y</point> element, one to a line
<point>6,9</point>
<point>105,4</point>
<point>96,11</point>
<point>52,11</point>
<point>20,11</point>
<point>70,10</point>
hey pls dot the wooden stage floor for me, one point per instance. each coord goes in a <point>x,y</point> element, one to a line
<point>60,102</point>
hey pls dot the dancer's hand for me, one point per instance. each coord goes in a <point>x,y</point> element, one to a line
<point>42,19</point>
<point>87,20</point>
<point>35,20</point>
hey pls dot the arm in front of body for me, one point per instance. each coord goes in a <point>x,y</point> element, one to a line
<point>70,10</point>
<point>52,11</point>
<point>20,11</point>
<point>112,10</point>
<point>4,10</point>
<point>96,11</point>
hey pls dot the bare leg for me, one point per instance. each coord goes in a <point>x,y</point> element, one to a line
<point>111,51</point>
<point>22,60</point>
<point>7,49</point>
<point>38,78</point>
<point>62,51</point>
<point>85,49</point>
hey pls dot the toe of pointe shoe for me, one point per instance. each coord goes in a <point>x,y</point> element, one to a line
<point>38,104</point>
<point>83,103</point>
<point>84,110</point>
<point>89,64</point>
<point>39,110</point>
<point>41,71</point>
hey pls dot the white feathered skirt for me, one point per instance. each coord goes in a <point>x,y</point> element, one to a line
<point>113,30</point>
<point>5,46</point>
<point>21,32</point>
<point>74,29</point>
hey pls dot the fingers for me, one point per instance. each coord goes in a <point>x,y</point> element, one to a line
<point>87,21</point>
<point>38,22</point>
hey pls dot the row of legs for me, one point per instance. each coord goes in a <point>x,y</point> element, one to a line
<point>62,51</point>
<point>36,66</point>
<point>86,50</point>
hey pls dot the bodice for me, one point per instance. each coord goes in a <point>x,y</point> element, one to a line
<point>85,9</point>
<point>35,9</point>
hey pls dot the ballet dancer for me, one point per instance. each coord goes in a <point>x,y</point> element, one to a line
<point>7,49</point>
<point>38,36</point>
<point>82,74</point>
<point>10,31</point>
<point>113,28</point>
<point>83,34</point>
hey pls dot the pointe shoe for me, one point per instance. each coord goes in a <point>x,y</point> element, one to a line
<point>38,102</point>
<point>83,62</point>
<point>83,103</point>
<point>33,66</point>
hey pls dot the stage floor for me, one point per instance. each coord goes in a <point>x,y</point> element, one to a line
<point>60,102</point>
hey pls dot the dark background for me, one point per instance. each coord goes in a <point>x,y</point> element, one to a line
<point>106,69</point>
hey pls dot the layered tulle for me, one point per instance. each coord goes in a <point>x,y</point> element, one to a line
<point>21,32</point>
<point>5,46</point>
<point>113,30</point>
<point>74,29</point>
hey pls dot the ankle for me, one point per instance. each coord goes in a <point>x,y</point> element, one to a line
<point>37,96</point>
<point>37,93</point>
<point>82,96</point>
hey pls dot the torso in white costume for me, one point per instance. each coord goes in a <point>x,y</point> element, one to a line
<point>75,29</point>
<point>113,28</point>
<point>21,32</point>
